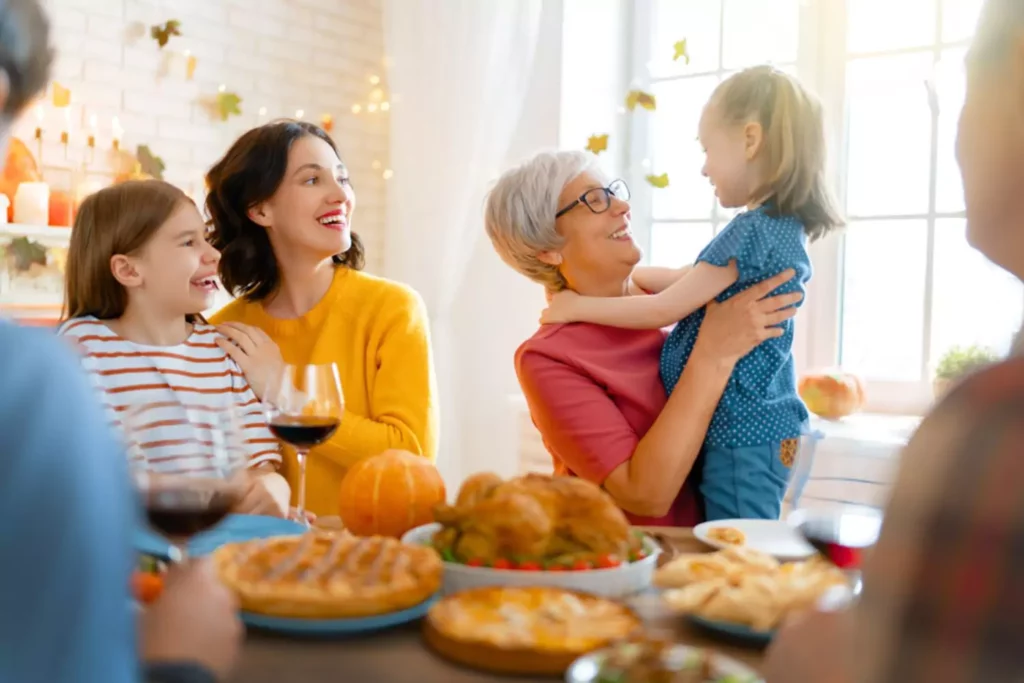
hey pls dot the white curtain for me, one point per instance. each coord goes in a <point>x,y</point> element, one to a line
<point>458,72</point>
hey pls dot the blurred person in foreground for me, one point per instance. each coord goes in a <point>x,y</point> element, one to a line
<point>943,593</point>
<point>66,506</point>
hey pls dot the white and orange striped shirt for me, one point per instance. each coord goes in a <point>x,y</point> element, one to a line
<point>186,388</point>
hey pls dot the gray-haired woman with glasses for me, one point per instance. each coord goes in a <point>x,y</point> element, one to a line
<point>595,392</point>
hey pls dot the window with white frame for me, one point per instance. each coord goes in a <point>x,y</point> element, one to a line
<point>900,287</point>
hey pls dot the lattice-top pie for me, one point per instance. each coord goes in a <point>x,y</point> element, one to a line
<point>532,619</point>
<point>323,575</point>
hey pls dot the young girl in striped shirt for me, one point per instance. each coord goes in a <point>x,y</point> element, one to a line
<point>139,272</point>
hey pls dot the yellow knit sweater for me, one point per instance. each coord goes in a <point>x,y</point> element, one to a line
<point>376,331</point>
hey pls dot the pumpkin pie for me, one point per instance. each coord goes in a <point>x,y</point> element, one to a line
<point>326,575</point>
<point>525,629</point>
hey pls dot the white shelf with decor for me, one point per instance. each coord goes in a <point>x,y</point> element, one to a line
<point>47,235</point>
<point>32,281</point>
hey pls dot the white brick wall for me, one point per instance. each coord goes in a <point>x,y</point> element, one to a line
<point>285,55</point>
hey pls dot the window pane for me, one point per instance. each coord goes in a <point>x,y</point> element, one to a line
<point>757,31</point>
<point>974,301</point>
<point>674,245</point>
<point>889,24</point>
<point>699,22</point>
<point>676,151</point>
<point>883,297</point>
<point>889,138</point>
<point>951,86</point>
<point>959,19</point>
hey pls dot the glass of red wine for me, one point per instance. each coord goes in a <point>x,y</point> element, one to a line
<point>304,405</point>
<point>187,464</point>
<point>841,536</point>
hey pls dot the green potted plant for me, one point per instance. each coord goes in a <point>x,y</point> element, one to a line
<point>957,362</point>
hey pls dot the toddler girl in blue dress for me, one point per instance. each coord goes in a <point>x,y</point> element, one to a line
<point>764,143</point>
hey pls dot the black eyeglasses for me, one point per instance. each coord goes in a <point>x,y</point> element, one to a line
<point>598,199</point>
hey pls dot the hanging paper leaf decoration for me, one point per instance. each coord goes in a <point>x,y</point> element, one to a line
<point>149,163</point>
<point>61,95</point>
<point>227,104</point>
<point>597,143</point>
<point>190,67</point>
<point>639,97</point>
<point>659,181</point>
<point>327,122</point>
<point>681,51</point>
<point>162,33</point>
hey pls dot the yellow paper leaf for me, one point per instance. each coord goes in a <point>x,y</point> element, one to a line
<point>190,67</point>
<point>61,95</point>
<point>681,51</point>
<point>659,181</point>
<point>597,143</point>
<point>639,97</point>
<point>227,105</point>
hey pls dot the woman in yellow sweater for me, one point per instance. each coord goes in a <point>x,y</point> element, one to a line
<point>280,204</point>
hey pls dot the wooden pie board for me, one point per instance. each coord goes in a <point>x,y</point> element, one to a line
<point>502,660</point>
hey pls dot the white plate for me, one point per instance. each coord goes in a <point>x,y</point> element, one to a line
<point>774,537</point>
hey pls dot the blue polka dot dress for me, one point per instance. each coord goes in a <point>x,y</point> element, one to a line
<point>748,448</point>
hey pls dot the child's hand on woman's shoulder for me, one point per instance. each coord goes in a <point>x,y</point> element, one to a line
<point>560,308</point>
<point>255,352</point>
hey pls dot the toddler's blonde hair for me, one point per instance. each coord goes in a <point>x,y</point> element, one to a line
<point>794,146</point>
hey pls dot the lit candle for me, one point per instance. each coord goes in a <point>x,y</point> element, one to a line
<point>67,127</point>
<point>40,115</point>
<point>92,132</point>
<point>116,132</point>
<point>32,204</point>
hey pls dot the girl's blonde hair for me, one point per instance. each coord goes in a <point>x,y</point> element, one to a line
<point>119,219</point>
<point>794,146</point>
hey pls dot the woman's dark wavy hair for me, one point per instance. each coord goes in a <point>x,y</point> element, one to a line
<point>248,174</point>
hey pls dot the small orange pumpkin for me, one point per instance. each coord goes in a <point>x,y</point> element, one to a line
<point>832,395</point>
<point>390,494</point>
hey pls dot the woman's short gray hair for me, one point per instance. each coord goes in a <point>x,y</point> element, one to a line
<point>520,212</point>
<point>999,25</point>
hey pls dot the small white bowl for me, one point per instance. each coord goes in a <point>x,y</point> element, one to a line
<point>615,582</point>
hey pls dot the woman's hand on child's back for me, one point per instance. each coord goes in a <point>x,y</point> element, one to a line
<point>560,308</point>
<point>733,328</point>
<point>255,352</point>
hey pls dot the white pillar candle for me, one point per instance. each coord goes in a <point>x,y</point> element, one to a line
<point>32,204</point>
<point>5,203</point>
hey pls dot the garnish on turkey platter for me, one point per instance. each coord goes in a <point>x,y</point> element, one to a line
<point>535,523</point>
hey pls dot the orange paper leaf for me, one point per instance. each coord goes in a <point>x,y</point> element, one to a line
<point>597,143</point>
<point>327,122</point>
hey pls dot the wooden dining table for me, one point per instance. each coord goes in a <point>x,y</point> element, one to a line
<point>399,655</point>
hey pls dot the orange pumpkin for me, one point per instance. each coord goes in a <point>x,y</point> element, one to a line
<point>389,494</point>
<point>832,395</point>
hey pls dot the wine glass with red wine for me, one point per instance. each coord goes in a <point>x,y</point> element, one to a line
<point>186,463</point>
<point>304,405</point>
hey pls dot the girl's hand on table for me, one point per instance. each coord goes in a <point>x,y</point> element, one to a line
<point>256,354</point>
<point>264,493</point>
